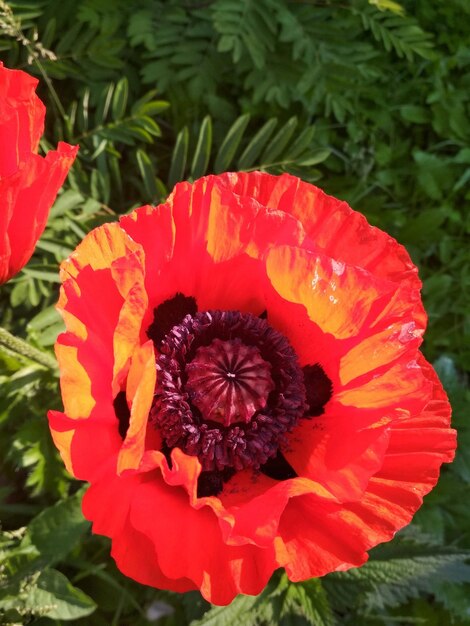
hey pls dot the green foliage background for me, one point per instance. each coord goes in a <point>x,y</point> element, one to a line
<point>369,100</point>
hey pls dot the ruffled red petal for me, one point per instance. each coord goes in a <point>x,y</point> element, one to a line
<point>219,570</point>
<point>418,446</point>
<point>330,223</point>
<point>27,196</point>
<point>103,302</point>
<point>28,183</point>
<point>21,119</point>
<point>365,331</point>
<point>147,511</point>
<point>140,392</point>
<point>136,557</point>
<point>85,445</point>
<point>318,538</point>
<point>340,455</point>
<point>222,238</point>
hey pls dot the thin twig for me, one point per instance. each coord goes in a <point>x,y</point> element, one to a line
<point>20,347</point>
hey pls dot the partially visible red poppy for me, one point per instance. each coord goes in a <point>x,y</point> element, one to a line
<point>243,386</point>
<point>28,183</point>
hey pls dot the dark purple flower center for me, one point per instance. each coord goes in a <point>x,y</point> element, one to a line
<point>229,389</point>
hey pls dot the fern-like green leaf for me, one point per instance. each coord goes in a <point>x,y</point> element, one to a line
<point>246,27</point>
<point>284,151</point>
<point>399,33</point>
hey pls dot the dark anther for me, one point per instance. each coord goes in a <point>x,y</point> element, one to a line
<point>212,483</point>
<point>263,315</point>
<point>278,468</point>
<point>169,314</point>
<point>167,453</point>
<point>319,389</point>
<point>122,412</point>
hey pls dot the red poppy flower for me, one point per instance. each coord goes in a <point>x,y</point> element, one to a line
<point>28,183</point>
<point>243,386</point>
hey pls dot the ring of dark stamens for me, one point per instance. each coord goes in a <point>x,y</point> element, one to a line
<point>318,392</point>
<point>240,445</point>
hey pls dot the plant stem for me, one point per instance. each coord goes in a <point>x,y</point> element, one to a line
<point>23,349</point>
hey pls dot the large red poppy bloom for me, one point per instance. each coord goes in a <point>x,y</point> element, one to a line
<point>28,182</point>
<point>243,386</point>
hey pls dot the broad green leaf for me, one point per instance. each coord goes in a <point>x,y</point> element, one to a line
<point>104,104</point>
<point>58,249</point>
<point>203,149</point>
<point>301,144</point>
<point>237,613</point>
<point>120,96</point>
<point>54,596</point>
<point>116,178</point>
<point>151,108</point>
<point>425,226</point>
<point>279,142</point>
<point>178,158</point>
<point>100,147</point>
<point>19,293</point>
<point>256,145</point>
<point>415,114</point>
<point>69,199</point>
<point>434,173</point>
<point>230,144</point>
<point>55,531</point>
<point>50,276</point>
<point>147,171</point>
<point>316,156</point>
<point>148,124</point>
<point>44,318</point>
<point>83,115</point>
